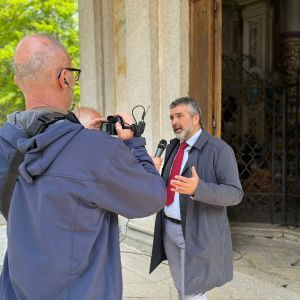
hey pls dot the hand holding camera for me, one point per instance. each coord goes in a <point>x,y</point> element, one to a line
<point>119,125</point>
<point>123,125</point>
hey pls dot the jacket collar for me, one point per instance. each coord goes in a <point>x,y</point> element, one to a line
<point>201,141</point>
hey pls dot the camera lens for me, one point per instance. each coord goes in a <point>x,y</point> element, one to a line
<point>109,125</point>
<point>112,119</point>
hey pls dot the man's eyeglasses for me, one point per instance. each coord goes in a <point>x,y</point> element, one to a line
<point>76,72</point>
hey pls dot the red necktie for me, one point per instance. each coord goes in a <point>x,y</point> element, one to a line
<point>175,171</point>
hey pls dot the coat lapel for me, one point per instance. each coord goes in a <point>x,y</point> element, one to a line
<point>170,154</point>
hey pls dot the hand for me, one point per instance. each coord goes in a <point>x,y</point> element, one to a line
<point>124,134</point>
<point>157,162</point>
<point>93,124</point>
<point>185,185</point>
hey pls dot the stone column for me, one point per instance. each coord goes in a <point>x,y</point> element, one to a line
<point>257,35</point>
<point>157,72</point>
<point>89,20</point>
<point>97,82</point>
<point>290,39</point>
<point>173,21</point>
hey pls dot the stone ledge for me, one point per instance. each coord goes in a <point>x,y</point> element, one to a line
<point>266,231</point>
<point>141,235</point>
<point>144,236</point>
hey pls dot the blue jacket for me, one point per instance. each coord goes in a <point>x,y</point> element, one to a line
<point>63,235</point>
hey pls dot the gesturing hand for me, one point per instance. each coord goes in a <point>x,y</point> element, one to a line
<point>185,185</point>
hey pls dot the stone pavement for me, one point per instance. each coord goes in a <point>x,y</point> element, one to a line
<point>266,267</point>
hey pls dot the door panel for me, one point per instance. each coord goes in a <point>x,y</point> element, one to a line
<point>205,60</point>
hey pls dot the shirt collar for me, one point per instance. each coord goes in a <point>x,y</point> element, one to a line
<point>192,140</point>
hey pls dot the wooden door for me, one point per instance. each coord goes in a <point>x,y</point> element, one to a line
<point>205,60</point>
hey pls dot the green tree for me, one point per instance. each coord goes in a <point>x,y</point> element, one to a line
<point>22,17</point>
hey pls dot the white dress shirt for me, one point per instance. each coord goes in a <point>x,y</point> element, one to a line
<point>173,210</point>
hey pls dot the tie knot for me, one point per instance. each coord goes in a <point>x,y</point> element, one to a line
<point>183,145</point>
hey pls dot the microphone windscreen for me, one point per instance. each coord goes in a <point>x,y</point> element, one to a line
<point>160,148</point>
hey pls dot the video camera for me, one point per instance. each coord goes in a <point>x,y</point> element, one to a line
<point>109,126</point>
<point>138,128</point>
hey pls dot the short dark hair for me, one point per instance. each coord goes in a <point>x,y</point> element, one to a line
<point>191,103</point>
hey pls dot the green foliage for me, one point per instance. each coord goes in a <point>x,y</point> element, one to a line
<point>22,17</point>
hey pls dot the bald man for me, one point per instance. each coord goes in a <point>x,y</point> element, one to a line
<point>63,234</point>
<point>88,117</point>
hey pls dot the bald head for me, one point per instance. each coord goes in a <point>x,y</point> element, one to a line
<point>36,56</point>
<point>86,116</point>
<point>38,61</point>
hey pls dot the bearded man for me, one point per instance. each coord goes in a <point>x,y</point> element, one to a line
<point>192,231</point>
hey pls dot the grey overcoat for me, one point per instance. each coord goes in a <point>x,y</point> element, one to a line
<point>208,255</point>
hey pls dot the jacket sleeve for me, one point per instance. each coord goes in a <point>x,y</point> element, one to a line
<point>131,186</point>
<point>227,190</point>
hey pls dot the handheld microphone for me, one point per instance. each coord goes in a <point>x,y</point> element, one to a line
<point>160,148</point>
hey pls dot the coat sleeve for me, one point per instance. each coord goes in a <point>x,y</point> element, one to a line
<point>131,186</point>
<point>227,190</point>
